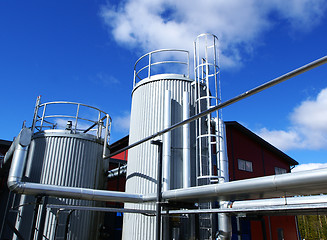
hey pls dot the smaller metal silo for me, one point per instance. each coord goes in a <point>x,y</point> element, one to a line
<point>66,150</point>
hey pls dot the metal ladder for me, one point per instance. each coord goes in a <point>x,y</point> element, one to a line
<point>207,95</point>
<point>62,224</point>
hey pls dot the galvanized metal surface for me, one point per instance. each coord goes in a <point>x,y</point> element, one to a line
<point>233,100</point>
<point>166,161</point>
<point>207,95</point>
<point>288,184</point>
<point>186,142</point>
<point>60,158</point>
<point>291,184</point>
<point>147,117</point>
<point>101,209</point>
<point>310,183</point>
<point>23,139</point>
<point>298,205</point>
<point>46,117</point>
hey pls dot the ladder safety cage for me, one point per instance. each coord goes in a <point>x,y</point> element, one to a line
<point>207,95</point>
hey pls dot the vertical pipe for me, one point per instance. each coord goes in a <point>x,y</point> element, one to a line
<point>238,224</point>
<point>17,165</point>
<point>159,188</point>
<point>186,142</point>
<point>224,221</point>
<point>222,153</point>
<point>166,142</point>
<point>196,107</point>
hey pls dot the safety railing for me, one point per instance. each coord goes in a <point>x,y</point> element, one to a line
<point>172,56</point>
<point>85,119</point>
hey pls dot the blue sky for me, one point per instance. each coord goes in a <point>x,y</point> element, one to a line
<point>84,51</point>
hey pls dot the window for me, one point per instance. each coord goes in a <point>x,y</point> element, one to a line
<point>280,170</point>
<point>245,165</point>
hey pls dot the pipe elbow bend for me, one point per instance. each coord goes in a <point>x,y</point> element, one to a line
<point>15,185</point>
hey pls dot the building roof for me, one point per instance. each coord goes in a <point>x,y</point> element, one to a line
<point>121,143</point>
<point>124,142</point>
<point>261,141</point>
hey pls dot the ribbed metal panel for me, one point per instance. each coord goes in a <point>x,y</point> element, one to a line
<point>147,117</point>
<point>65,159</point>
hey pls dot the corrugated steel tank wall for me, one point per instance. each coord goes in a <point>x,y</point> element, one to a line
<point>147,117</point>
<point>58,157</point>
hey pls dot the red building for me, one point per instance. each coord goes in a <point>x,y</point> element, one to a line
<point>249,156</point>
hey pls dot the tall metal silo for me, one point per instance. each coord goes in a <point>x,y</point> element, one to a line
<point>66,150</point>
<point>158,100</point>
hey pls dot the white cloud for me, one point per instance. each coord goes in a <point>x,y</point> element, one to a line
<point>301,14</point>
<point>308,128</point>
<point>121,123</point>
<point>156,24</point>
<point>281,139</point>
<point>309,166</point>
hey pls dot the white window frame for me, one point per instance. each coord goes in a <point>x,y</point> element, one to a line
<point>279,170</point>
<point>245,165</point>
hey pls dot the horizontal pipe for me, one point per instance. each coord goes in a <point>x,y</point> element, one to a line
<point>299,183</point>
<point>101,209</point>
<point>15,183</point>
<point>306,182</point>
<point>242,96</point>
<point>72,192</point>
<point>269,203</point>
<point>272,186</point>
<point>295,205</point>
<point>291,203</point>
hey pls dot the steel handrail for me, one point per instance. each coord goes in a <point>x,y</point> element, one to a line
<point>103,122</point>
<point>75,103</point>
<point>150,63</point>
